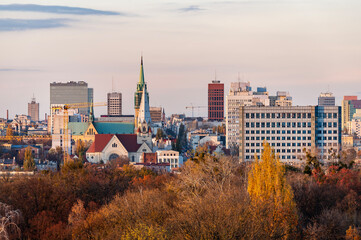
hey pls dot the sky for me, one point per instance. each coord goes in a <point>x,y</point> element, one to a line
<point>304,47</point>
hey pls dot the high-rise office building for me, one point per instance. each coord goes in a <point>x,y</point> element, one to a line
<point>216,101</point>
<point>240,94</point>
<point>289,130</point>
<point>156,114</point>
<point>71,92</point>
<point>326,99</point>
<point>114,104</point>
<point>349,106</point>
<point>33,110</point>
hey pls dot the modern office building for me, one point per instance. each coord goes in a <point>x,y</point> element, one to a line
<point>240,94</point>
<point>216,101</point>
<point>155,114</point>
<point>289,130</point>
<point>326,99</point>
<point>71,92</point>
<point>114,103</point>
<point>33,110</point>
<point>349,106</point>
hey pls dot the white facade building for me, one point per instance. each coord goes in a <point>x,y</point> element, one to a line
<point>240,94</point>
<point>289,130</point>
<point>171,157</point>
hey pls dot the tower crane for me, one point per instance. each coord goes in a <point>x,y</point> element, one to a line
<point>193,107</point>
<point>65,108</point>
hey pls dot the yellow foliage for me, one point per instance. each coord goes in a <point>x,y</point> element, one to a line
<point>352,234</point>
<point>267,187</point>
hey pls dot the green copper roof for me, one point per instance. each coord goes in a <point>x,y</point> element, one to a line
<point>141,78</point>
<point>114,128</point>
<point>78,128</point>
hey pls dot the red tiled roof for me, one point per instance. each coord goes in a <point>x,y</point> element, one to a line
<point>100,141</point>
<point>129,141</point>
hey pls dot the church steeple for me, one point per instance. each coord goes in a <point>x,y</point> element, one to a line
<point>141,77</point>
<point>144,113</point>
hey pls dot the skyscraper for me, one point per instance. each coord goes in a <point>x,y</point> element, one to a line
<point>349,106</point>
<point>215,101</point>
<point>114,104</point>
<point>33,110</point>
<point>326,99</point>
<point>71,92</point>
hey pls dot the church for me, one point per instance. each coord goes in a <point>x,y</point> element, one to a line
<point>106,147</point>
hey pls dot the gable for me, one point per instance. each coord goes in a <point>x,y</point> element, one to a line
<point>115,145</point>
<point>144,148</point>
<point>91,130</point>
<point>129,141</point>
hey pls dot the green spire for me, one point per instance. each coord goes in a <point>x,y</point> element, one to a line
<point>141,78</point>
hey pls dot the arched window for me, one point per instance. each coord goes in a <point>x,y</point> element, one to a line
<point>114,145</point>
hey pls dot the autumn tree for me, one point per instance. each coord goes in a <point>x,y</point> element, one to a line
<point>9,131</point>
<point>29,163</point>
<point>271,196</point>
<point>80,149</point>
<point>9,221</point>
<point>160,134</point>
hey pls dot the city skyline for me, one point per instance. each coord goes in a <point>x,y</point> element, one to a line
<point>283,45</point>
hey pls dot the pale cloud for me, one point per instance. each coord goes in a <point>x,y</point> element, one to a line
<point>192,8</point>
<point>56,9</point>
<point>9,24</point>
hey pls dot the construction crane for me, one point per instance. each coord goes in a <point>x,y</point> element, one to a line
<point>65,108</point>
<point>193,107</point>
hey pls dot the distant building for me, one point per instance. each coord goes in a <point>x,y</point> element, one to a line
<point>71,92</point>
<point>349,106</point>
<point>33,110</point>
<point>326,99</point>
<point>116,118</point>
<point>283,99</point>
<point>216,101</point>
<point>240,94</point>
<point>114,103</point>
<point>156,114</point>
<point>171,157</point>
<point>289,130</point>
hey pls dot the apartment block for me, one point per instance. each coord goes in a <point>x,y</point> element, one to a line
<point>289,130</point>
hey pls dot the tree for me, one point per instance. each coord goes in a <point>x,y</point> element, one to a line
<point>271,196</point>
<point>352,233</point>
<point>29,163</point>
<point>160,134</point>
<point>80,149</point>
<point>9,220</point>
<point>9,131</point>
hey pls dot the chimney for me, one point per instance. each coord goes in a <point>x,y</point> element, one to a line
<point>7,115</point>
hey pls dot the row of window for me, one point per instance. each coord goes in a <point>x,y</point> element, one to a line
<point>279,138</point>
<point>278,124</point>
<point>290,115</point>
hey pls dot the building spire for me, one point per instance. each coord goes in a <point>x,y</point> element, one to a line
<point>144,113</point>
<point>141,78</point>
